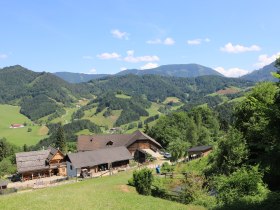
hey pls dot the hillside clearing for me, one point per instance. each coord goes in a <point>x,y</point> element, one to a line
<point>19,136</point>
<point>101,193</point>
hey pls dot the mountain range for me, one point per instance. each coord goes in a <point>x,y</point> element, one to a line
<point>172,70</point>
<point>263,74</point>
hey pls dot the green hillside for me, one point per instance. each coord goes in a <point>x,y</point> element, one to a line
<point>19,136</point>
<point>103,193</point>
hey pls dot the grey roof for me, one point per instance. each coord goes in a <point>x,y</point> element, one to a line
<point>92,142</point>
<point>3,183</point>
<point>52,153</point>
<point>200,149</point>
<point>34,160</point>
<point>99,156</point>
<point>31,161</point>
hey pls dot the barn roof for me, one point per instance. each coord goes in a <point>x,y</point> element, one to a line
<point>99,156</point>
<point>92,142</point>
<point>200,149</point>
<point>34,160</point>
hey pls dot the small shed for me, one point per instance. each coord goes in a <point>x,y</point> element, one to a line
<point>3,184</point>
<point>199,151</point>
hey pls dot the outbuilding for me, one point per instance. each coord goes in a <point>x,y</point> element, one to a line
<point>199,151</point>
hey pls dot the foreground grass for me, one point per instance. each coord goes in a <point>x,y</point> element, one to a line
<point>101,193</point>
<point>19,136</point>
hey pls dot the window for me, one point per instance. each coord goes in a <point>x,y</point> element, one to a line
<point>109,143</point>
<point>71,167</point>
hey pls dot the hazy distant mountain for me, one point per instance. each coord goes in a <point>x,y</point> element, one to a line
<point>78,77</point>
<point>175,70</point>
<point>263,74</point>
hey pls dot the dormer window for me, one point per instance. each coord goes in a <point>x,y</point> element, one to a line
<point>109,143</point>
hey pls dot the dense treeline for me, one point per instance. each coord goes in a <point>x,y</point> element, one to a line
<point>197,127</point>
<point>157,88</point>
<point>39,94</point>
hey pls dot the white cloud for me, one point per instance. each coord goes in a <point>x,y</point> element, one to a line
<point>231,72</point>
<point>123,68</point>
<point>92,71</point>
<point>230,48</point>
<point>155,41</point>
<point>194,42</point>
<point>87,57</point>
<point>197,41</point>
<point>3,56</point>
<point>149,66</point>
<point>132,59</point>
<point>264,60</point>
<point>107,56</point>
<point>166,41</point>
<point>119,35</point>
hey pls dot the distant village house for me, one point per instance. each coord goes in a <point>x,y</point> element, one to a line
<point>199,151</point>
<point>16,125</point>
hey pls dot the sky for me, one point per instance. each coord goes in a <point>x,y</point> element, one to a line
<point>233,37</point>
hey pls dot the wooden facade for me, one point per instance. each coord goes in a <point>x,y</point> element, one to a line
<point>141,144</point>
<point>39,164</point>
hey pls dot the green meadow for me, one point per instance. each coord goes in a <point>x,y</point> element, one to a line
<point>19,136</point>
<point>111,192</point>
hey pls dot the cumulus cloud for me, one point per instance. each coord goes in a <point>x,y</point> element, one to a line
<point>155,41</point>
<point>230,48</point>
<point>107,56</point>
<point>92,71</point>
<point>149,66</point>
<point>3,56</point>
<point>132,59</point>
<point>264,60</point>
<point>231,72</point>
<point>166,41</point>
<point>197,41</point>
<point>169,41</point>
<point>87,57</point>
<point>123,68</point>
<point>119,34</point>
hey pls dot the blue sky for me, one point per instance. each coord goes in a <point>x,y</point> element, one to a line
<point>233,37</point>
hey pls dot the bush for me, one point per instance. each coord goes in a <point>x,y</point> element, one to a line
<point>243,185</point>
<point>143,181</point>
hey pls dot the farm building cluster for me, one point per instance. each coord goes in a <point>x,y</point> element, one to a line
<point>95,153</point>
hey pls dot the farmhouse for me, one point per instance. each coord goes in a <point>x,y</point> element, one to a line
<point>138,143</point>
<point>109,158</point>
<point>16,125</point>
<point>199,151</point>
<point>36,164</point>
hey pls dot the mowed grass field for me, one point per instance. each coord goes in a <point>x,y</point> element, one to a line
<point>100,193</point>
<point>19,136</point>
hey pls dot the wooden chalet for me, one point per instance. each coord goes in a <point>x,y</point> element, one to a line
<point>199,151</point>
<point>44,163</point>
<point>97,160</point>
<point>138,143</point>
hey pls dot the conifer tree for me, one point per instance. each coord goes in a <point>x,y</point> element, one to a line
<point>60,139</point>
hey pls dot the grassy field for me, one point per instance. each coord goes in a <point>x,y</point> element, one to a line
<point>101,193</point>
<point>19,136</point>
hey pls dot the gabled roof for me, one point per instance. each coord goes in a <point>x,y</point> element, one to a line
<point>31,161</point>
<point>99,156</point>
<point>87,143</point>
<point>200,149</point>
<point>34,160</point>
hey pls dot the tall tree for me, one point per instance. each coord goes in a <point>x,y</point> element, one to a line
<point>230,153</point>
<point>60,139</point>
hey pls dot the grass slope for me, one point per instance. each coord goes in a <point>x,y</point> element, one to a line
<point>102,193</point>
<point>9,115</point>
